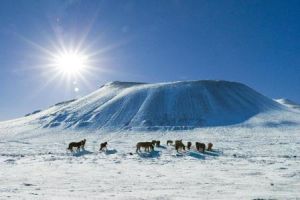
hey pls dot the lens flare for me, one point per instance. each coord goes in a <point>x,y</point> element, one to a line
<point>70,63</point>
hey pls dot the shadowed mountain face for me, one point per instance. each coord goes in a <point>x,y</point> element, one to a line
<point>189,104</point>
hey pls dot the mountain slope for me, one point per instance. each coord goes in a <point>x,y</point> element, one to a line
<point>288,103</point>
<point>189,104</point>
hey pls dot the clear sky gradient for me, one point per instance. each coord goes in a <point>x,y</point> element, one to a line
<point>253,42</point>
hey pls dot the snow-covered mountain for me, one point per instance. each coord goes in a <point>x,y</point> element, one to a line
<point>256,159</point>
<point>175,105</point>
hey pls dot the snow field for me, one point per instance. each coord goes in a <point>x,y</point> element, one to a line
<point>247,163</point>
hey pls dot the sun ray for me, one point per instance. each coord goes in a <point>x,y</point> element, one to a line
<point>45,50</point>
<point>86,32</point>
<point>70,60</point>
<point>41,87</point>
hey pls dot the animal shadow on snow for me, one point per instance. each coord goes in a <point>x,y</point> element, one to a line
<point>152,154</point>
<point>110,151</point>
<point>202,155</point>
<point>196,155</point>
<point>81,153</point>
<point>162,147</point>
<point>212,153</point>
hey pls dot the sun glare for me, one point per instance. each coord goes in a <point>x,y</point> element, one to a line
<point>71,63</point>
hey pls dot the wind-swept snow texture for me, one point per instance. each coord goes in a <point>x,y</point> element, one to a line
<point>175,105</point>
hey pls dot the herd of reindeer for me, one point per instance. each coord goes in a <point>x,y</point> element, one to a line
<point>148,146</point>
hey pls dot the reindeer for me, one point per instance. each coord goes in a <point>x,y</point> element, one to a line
<point>103,146</point>
<point>179,145</point>
<point>189,144</point>
<point>209,146</point>
<point>200,146</point>
<point>79,145</point>
<point>146,145</point>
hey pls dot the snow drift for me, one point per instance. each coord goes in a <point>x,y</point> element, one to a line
<point>175,105</point>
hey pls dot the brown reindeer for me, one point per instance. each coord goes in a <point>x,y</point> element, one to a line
<point>200,146</point>
<point>147,145</point>
<point>103,146</point>
<point>153,142</point>
<point>189,144</point>
<point>209,146</point>
<point>77,144</point>
<point>169,142</point>
<point>179,145</point>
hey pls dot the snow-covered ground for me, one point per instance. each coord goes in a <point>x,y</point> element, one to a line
<point>256,153</point>
<point>248,162</point>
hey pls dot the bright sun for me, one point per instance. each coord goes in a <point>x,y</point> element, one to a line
<point>70,63</point>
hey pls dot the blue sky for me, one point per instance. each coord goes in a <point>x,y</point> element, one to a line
<point>253,42</point>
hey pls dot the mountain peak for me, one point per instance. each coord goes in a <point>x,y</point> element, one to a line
<point>122,84</point>
<point>180,104</point>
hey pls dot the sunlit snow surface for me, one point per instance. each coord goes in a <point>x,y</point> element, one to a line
<point>257,159</point>
<point>256,153</point>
